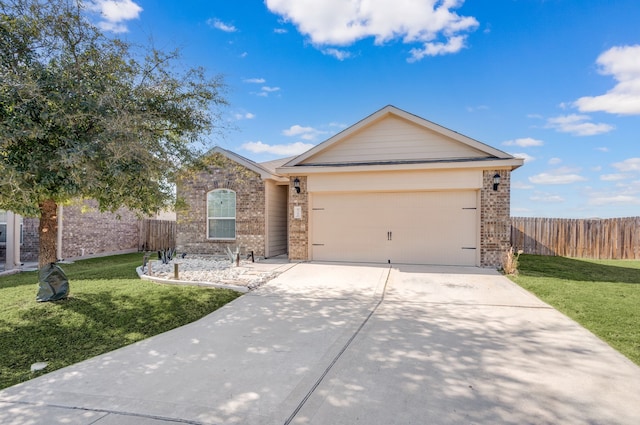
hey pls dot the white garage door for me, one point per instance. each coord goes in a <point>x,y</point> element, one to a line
<point>403,228</point>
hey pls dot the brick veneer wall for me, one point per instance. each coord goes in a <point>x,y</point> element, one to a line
<point>30,242</point>
<point>223,173</point>
<point>87,231</point>
<point>495,224</point>
<point>299,228</point>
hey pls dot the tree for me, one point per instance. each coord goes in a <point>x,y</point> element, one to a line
<point>83,116</point>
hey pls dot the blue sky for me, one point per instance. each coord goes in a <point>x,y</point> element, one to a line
<point>554,81</point>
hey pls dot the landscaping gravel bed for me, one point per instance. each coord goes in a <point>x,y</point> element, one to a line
<point>212,270</point>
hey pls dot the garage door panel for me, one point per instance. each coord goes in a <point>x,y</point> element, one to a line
<point>417,227</point>
<point>344,230</point>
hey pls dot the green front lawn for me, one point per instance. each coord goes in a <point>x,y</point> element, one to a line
<point>601,295</point>
<point>108,307</point>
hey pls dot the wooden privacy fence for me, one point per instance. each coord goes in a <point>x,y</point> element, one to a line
<point>156,235</point>
<point>613,238</point>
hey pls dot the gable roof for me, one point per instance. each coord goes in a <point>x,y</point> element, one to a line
<point>273,164</point>
<point>265,172</point>
<point>395,138</point>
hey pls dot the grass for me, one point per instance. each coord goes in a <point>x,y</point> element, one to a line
<point>108,307</point>
<point>601,295</point>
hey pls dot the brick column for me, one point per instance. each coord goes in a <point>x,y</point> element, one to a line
<point>298,227</point>
<point>495,215</point>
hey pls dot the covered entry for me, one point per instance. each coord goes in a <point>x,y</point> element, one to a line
<point>430,227</point>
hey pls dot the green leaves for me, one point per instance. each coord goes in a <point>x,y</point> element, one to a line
<point>81,115</point>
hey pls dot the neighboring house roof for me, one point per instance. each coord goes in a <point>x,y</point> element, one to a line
<point>395,139</point>
<point>266,170</point>
<point>272,165</point>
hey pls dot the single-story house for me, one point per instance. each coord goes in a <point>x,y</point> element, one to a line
<point>393,188</point>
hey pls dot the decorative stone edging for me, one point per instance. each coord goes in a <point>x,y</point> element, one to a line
<point>142,275</point>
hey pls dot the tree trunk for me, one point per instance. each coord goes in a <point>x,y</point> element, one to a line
<point>48,232</point>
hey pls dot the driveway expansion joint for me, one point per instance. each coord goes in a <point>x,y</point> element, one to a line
<point>107,412</point>
<point>341,352</point>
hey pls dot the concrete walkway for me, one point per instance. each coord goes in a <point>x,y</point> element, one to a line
<point>327,344</point>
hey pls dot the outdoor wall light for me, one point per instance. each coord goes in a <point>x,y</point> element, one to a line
<point>296,185</point>
<point>496,181</point>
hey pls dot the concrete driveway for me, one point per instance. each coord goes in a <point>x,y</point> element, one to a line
<point>345,344</point>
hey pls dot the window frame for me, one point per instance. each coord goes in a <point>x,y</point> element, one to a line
<point>211,217</point>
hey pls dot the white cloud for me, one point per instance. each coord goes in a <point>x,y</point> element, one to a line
<point>554,161</point>
<point>434,25</point>
<point>628,165</point>
<point>524,142</point>
<point>255,80</point>
<point>578,125</point>
<point>603,149</point>
<point>337,53</point>
<point>613,177</point>
<point>114,13</point>
<point>280,31</point>
<point>546,198</point>
<point>218,24</point>
<point>520,185</point>
<point>615,199</point>
<point>623,63</point>
<point>452,45</point>
<point>546,178</point>
<point>245,116</point>
<point>265,91</point>
<point>562,175</point>
<point>525,156</point>
<point>296,130</point>
<point>566,170</point>
<point>284,150</point>
<point>305,133</point>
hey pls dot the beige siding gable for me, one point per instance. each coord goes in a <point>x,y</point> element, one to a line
<point>393,138</point>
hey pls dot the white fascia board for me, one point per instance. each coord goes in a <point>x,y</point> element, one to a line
<point>247,163</point>
<point>493,164</point>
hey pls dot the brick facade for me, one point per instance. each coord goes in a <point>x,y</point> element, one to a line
<point>298,227</point>
<point>85,231</point>
<point>30,245</point>
<point>495,218</point>
<point>222,173</point>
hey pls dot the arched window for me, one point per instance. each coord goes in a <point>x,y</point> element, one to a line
<point>221,214</point>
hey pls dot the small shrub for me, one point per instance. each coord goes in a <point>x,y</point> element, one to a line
<point>510,262</point>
